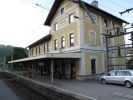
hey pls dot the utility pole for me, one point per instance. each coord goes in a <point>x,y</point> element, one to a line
<point>127,11</point>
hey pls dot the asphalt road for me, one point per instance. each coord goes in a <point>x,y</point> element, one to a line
<point>6,93</point>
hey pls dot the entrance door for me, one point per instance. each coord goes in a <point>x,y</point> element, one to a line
<point>93,66</point>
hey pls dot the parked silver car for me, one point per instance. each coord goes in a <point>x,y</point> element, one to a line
<point>124,77</point>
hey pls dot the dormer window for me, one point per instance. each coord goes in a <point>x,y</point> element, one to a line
<point>62,11</point>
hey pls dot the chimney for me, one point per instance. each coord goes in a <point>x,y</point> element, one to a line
<point>94,3</point>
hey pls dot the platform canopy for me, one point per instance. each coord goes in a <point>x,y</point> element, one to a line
<point>49,56</point>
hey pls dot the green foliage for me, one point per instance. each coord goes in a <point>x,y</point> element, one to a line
<point>5,50</point>
<point>11,53</point>
<point>19,53</point>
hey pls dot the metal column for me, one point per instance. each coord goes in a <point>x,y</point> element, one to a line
<point>52,71</point>
<point>107,54</point>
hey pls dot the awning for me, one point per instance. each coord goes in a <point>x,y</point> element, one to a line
<point>48,56</point>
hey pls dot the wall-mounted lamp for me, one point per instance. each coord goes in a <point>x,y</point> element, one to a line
<point>76,17</point>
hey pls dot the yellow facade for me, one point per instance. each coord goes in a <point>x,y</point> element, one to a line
<point>65,28</point>
<point>88,36</point>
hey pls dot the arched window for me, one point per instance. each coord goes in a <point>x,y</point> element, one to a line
<point>71,36</point>
<point>62,42</point>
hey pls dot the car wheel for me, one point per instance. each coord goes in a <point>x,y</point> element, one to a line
<point>103,81</point>
<point>128,84</point>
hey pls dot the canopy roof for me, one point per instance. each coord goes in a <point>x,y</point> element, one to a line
<point>49,56</point>
<point>42,40</point>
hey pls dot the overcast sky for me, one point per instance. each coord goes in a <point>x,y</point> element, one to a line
<point>21,22</point>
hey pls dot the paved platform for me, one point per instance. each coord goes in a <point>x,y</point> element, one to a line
<point>91,88</point>
<point>94,89</point>
<point>6,93</point>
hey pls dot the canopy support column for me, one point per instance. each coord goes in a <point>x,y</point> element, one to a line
<point>52,71</point>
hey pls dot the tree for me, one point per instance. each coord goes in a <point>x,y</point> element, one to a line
<point>8,53</point>
<point>19,53</point>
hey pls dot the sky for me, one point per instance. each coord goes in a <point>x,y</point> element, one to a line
<point>21,21</point>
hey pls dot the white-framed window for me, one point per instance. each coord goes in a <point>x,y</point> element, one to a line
<point>56,26</point>
<point>62,11</point>
<point>55,44</point>
<point>62,42</point>
<point>71,18</point>
<point>72,40</point>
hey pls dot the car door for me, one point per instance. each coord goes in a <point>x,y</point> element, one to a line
<point>124,75</point>
<point>110,77</point>
<point>115,77</point>
<point>119,77</point>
